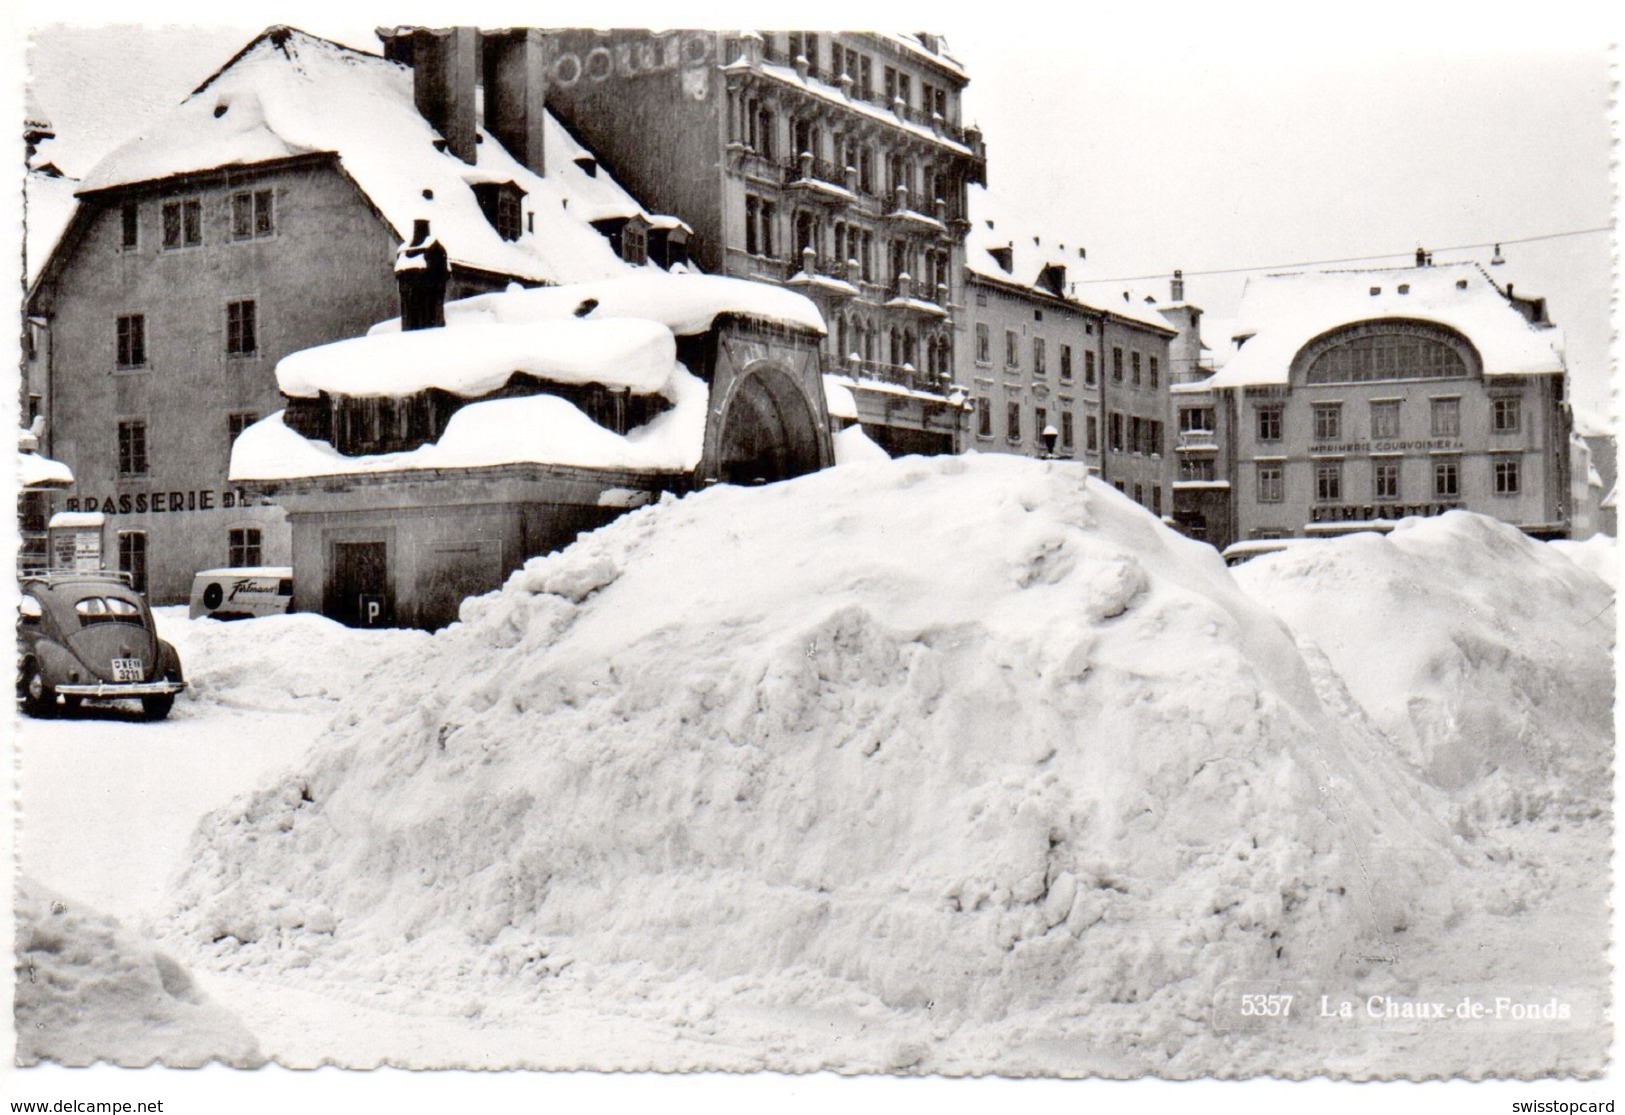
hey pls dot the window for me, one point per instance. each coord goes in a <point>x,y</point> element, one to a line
<point>1156,371</point>
<point>1506,477</point>
<point>1066,429</point>
<point>1329,481</point>
<point>1154,437</point>
<point>1385,480</point>
<point>1195,418</point>
<point>241,336</point>
<point>1446,479</point>
<point>1134,363</point>
<point>1012,421</point>
<point>1386,350</point>
<point>984,343</point>
<point>1040,420</point>
<point>1385,420</point>
<point>1328,421</point>
<point>1269,423</point>
<point>236,423</point>
<point>251,215</point>
<point>132,341</point>
<point>1012,349</point>
<point>1040,367</point>
<point>183,224</point>
<point>1139,493</point>
<point>1066,362</point>
<point>984,416</point>
<point>1156,500</point>
<point>1091,433</point>
<point>1089,368</point>
<point>759,219</point>
<point>244,546</point>
<point>1270,487</point>
<point>1135,426</point>
<point>634,237</point>
<point>1117,365</point>
<point>132,447</point>
<point>1505,415</point>
<point>1197,468</point>
<point>130,231</point>
<point>132,557</point>
<point>1115,426</point>
<point>1446,417</point>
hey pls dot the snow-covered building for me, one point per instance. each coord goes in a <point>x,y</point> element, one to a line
<point>1356,398</point>
<point>834,163</point>
<point>1040,357</point>
<point>37,478</point>
<point>420,466</point>
<point>262,216</point>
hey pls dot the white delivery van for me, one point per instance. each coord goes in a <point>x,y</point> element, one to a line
<point>262,590</point>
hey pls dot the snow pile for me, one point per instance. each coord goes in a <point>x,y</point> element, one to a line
<point>289,93</point>
<point>957,745</point>
<point>1282,313</point>
<point>1485,656</point>
<point>685,303</point>
<point>276,663</point>
<point>853,446</point>
<point>35,471</point>
<point>1598,555</point>
<point>637,355</point>
<point>536,429</point>
<point>89,990</point>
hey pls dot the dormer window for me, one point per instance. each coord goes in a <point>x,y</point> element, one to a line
<point>1004,257</point>
<point>1053,279</point>
<point>588,165</point>
<point>502,204</point>
<point>635,241</point>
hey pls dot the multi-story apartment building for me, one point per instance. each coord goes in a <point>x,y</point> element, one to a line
<point>263,215</point>
<point>1039,358</point>
<point>1357,398</point>
<point>833,163</point>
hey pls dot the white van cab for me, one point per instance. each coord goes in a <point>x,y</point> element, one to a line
<point>262,590</point>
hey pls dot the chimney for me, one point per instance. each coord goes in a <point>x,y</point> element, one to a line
<point>445,65</point>
<point>513,69</point>
<point>1176,289</point>
<point>1421,258</point>
<point>421,271</point>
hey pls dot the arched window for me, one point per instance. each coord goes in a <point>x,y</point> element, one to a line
<point>1393,348</point>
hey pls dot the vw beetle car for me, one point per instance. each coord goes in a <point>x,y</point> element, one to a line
<point>91,636</point>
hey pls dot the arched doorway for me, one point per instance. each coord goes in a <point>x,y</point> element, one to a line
<point>767,432</point>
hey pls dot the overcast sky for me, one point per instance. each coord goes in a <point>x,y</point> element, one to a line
<point>1205,137</point>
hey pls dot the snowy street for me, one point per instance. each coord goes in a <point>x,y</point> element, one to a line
<point>850,813</point>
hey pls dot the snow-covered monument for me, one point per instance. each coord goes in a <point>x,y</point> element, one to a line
<point>421,465</point>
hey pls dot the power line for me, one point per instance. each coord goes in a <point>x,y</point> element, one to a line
<point>1351,259</point>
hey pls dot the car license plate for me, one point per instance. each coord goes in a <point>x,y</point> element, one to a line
<point>128,669</point>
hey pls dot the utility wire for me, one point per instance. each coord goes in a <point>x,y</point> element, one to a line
<point>1351,259</point>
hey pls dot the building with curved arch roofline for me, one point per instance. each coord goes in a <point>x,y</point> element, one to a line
<point>1357,398</point>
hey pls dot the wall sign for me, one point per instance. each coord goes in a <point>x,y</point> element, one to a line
<point>146,503</point>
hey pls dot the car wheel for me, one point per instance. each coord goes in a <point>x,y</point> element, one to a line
<point>157,707</point>
<point>38,699</point>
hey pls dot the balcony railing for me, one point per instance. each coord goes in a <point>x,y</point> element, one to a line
<point>918,290</point>
<point>1196,440</point>
<point>901,375</point>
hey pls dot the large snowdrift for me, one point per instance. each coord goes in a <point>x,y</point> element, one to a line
<point>972,749</point>
<point>89,990</point>
<point>1495,682</point>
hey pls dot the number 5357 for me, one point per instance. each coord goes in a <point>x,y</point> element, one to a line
<point>1266,1006</point>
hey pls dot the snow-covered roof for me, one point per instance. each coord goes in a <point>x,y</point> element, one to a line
<point>530,429</point>
<point>1279,314</point>
<point>467,361</point>
<point>1031,255</point>
<point>48,206</point>
<point>34,471</point>
<point>838,399</point>
<point>77,520</point>
<point>290,93</point>
<point>684,303</point>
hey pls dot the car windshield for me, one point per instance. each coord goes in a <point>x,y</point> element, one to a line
<point>107,609</point>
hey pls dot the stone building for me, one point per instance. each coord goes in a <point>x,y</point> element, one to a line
<point>1356,398</point>
<point>262,216</point>
<point>833,163</point>
<point>1037,357</point>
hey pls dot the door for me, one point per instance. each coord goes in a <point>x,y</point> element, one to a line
<point>358,586</point>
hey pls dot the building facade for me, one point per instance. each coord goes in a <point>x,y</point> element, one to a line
<point>833,163</point>
<point>1358,398</point>
<point>203,251</point>
<point>1035,357</point>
